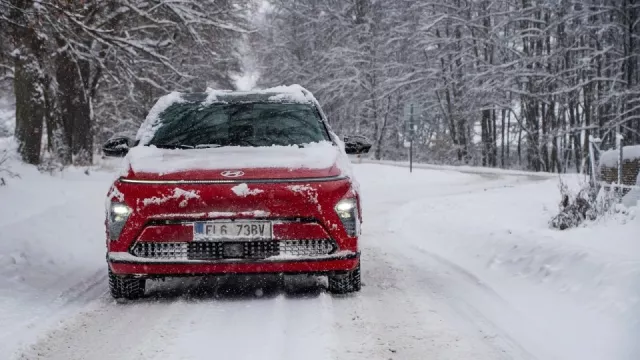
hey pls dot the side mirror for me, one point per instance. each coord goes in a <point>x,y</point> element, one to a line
<point>117,146</point>
<point>356,144</point>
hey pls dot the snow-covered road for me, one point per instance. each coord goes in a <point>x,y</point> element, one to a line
<point>455,266</point>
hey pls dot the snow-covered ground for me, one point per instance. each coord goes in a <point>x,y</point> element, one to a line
<point>456,265</point>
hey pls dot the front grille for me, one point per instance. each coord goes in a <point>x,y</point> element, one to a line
<point>215,250</point>
<point>306,247</point>
<point>151,250</point>
<point>251,250</point>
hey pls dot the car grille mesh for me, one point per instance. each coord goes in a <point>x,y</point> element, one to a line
<point>161,250</point>
<point>305,247</point>
<point>251,250</point>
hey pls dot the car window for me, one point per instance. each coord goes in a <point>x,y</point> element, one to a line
<point>240,124</point>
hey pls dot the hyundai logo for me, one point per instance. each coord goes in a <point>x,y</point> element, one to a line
<point>232,173</point>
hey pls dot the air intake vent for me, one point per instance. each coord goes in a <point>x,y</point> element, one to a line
<point>250,250</point>
<point>306,247</point>
<point>169,251</point>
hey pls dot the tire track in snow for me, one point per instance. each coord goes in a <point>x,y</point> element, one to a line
<point>103,333</point>
<point>389,321</point>
<point>275,325</point>
<point>464,299</point>
<point>228,328</point>
<point>88,289</point>
<point>309,327</point>
<point>482,338</point>
<point>539,320</point>
<point>231,324</point>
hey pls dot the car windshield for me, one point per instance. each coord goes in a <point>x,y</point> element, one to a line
<point>194,125</point>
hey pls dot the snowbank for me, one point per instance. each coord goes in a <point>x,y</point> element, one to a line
<point>52,246</point>
<point>580,285</point>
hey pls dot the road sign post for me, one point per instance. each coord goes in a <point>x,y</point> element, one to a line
<point>410,110</point>
<point>411,140</point>
<point>411,117</point>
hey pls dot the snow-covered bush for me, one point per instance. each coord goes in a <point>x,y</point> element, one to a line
<point>574,207</point>
<point>5,171</point>
<point>5,131</point>
<point>50,165</point>
<point>587,203</point>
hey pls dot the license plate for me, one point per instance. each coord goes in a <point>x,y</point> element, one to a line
<point>232,230</point>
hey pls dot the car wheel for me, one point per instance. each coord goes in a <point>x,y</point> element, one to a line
<point>126,287</point>
<point>345,283</point>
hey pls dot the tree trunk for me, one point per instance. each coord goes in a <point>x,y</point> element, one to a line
<point>503,141</point>
<point>82,129</point>
<point>485,127</point>
<point>383,130</point>
<point>74,110</point>
<point>30,107</point>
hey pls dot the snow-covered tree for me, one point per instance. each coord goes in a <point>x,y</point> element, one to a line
<point>499,83</point>
<point>82,63</point>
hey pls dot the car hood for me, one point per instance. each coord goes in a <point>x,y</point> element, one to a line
<point>234,163</point>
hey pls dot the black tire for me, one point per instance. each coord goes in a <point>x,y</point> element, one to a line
<point>346,283</point>
<point>126,287</point>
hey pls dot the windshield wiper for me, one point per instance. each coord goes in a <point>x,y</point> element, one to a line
<point>207,146</point>
<point>172,146</point>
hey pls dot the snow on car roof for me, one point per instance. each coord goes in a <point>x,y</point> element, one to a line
<point>282,94</point>
<point>288,94</point>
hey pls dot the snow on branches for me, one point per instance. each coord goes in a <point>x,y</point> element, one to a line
<point>497,83</point>
<point>101,63</point>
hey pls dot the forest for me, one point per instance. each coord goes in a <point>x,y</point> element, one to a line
<point>500,83</point>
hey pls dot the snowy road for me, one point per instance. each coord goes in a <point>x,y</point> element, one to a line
<point>417,301</point>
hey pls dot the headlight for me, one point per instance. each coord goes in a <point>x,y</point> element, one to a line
<point>347,210</point>
<point>117,217</point>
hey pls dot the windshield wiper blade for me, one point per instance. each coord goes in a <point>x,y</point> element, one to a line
<point>207,146</point>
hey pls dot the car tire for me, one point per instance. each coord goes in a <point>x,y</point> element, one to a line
<point>345,283</point>
<point>126,287</point>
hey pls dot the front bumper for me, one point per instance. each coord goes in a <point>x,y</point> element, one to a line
<point>124,263</point>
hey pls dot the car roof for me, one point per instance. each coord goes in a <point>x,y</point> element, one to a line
<point>280,94</point>
<point>239,97</point>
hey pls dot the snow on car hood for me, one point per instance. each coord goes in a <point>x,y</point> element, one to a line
<point>313,160</point>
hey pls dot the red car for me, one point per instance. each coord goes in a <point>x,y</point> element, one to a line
<point>224,182</point>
